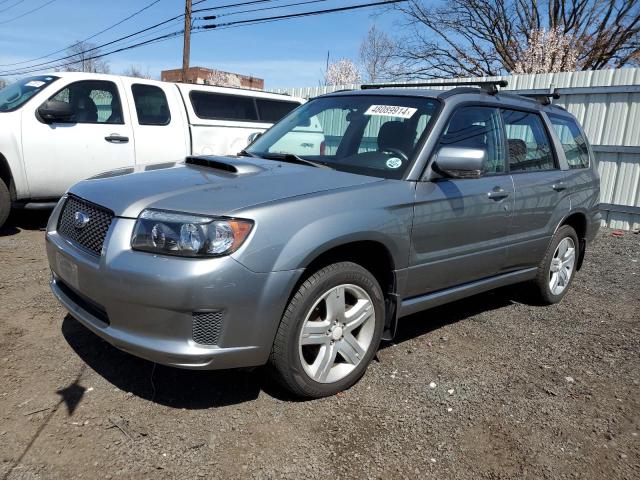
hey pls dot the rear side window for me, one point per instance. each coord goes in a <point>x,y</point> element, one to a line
<point>152,107</point>
<point>477,127</point>
<point>271,111</point>
<point>217,106</point>
<point>527,142</point>
<point>573,142</point>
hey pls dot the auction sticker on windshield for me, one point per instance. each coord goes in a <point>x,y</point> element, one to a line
<point>391,111</point>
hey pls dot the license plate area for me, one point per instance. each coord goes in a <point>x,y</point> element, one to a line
<point>67,270</point>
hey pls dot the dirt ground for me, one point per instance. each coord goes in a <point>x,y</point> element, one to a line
<point>519,391</point>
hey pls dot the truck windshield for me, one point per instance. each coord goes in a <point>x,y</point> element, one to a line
<point>17,94</point>
<point>376,135</point>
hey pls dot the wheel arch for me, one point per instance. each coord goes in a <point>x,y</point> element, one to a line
<point>372,255</point>
<point>578,221</point>
<point>6,176</point>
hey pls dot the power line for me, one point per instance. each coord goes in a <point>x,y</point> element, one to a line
<point>10,6</point>
<point>200,29</point>
<point>97,47</point>
<point>298,15</point>
<point>28,12</point>
<point>86,39</point>
<point>213,17</point>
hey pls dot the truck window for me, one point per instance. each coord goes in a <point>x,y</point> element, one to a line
<point>272,111</point>
<point>218,106</point>
<point>152,107</point>
<point>573,142</point>
<point>527,141</point>
<point>93,101</point>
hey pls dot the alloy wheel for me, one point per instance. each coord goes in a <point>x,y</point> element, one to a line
<point>337,333</point>
<point>562,264</point>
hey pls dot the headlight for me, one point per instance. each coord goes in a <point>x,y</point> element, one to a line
<point>187,235</point>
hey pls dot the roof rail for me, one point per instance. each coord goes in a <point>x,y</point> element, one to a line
<point>489,86</point>
<point>543,98</point>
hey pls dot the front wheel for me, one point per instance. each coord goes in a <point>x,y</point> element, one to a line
<point>557,269</point>
<point>330,331</point>
<point>5,203</point>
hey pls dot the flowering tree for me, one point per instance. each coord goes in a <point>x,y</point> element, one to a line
<point>222,79</point>
<point>547,51</point>
<point>342,72</point>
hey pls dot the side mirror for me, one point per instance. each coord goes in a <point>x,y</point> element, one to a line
<point>53,111</point>
<point>254,136</point>
<point>461,162</point>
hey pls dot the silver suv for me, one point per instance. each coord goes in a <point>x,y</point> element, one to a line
<point>306,260</point>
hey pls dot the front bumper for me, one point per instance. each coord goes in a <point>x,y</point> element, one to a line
<point>144,304</point>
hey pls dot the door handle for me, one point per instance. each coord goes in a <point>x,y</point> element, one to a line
<point>558,187</point>
<point>115,138</point>
<point>497,194</point>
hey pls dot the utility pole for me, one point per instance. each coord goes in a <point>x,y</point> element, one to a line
<point>187,39</point>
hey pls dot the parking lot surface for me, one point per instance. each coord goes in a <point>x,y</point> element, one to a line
<point>490,387</point>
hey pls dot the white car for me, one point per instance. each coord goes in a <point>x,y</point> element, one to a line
<point>58,129</point>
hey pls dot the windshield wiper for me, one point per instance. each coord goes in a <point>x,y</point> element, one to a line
<point>244,153</point>
<point>291,158</point>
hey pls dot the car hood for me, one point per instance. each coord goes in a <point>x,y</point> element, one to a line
<point>217,186</point>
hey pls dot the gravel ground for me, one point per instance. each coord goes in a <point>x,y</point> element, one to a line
<point>489,387</point>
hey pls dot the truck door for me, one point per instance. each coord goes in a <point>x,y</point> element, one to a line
<point>97,138</point>
<point>159,122</point>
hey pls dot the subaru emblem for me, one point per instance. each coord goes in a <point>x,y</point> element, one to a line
<point>80,220</point>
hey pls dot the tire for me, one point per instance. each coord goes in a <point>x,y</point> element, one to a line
<point>325,360</point>
<point>5,203</point>
<point>557,266</point>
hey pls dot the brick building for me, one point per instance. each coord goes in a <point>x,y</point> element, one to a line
<point>207,76</point>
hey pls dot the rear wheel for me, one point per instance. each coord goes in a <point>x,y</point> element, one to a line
<point>5,203</point>
<point>330,331</point>
<point>557,269</point>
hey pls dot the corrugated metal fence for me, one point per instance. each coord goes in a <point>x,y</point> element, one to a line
<point>607,104</point>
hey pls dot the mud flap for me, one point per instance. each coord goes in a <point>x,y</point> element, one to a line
<point>391,316</point>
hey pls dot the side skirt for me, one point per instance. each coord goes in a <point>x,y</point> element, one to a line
<point>412,305</point>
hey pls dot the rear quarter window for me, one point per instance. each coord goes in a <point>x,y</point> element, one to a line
<point>219,106</point>
<point>573,142</point>
<point>151,103</point>
<point>271,111</point>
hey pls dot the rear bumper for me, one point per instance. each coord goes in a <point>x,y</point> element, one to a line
<point>144,304</point>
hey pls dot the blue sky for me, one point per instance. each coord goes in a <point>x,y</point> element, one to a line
<point>289,53</point>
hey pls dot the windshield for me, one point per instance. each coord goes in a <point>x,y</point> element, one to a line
<point>367,134</point>
<point>17,94</point>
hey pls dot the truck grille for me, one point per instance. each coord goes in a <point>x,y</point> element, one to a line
<point>90,229</point>
<point>207,327</point>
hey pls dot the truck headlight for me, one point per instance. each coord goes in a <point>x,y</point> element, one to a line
<point>182,234</point>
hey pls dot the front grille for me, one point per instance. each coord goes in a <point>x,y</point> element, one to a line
<point>91,235</point>
<point>207,327</point>
<point>83,302</point>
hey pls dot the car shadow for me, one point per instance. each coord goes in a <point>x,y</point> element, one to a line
<point>202,389</point>
<point>25,220</point>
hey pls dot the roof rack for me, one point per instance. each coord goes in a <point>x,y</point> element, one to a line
<point>489,86</point>
<point>543,98</point>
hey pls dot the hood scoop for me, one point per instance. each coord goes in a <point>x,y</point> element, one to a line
<point>225,164</point>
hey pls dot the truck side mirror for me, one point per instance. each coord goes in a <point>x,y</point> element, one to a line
<point>461,162</point>
<point>53,111</point>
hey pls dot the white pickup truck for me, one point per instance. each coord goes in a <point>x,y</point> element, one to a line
<point>58,129</point>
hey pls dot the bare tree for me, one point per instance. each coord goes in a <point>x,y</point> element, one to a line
<point>342,72</point>
<point>377,53</point>
<point>490,37</point>
<point>82,59</point>
<point>136,71</point>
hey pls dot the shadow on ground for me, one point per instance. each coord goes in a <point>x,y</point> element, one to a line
<point>192,389</point>
<point>25,220</point>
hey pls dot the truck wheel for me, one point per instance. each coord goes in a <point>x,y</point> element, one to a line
<point>330,331</point>
<point>5,203</point>
<point>557,269</point>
